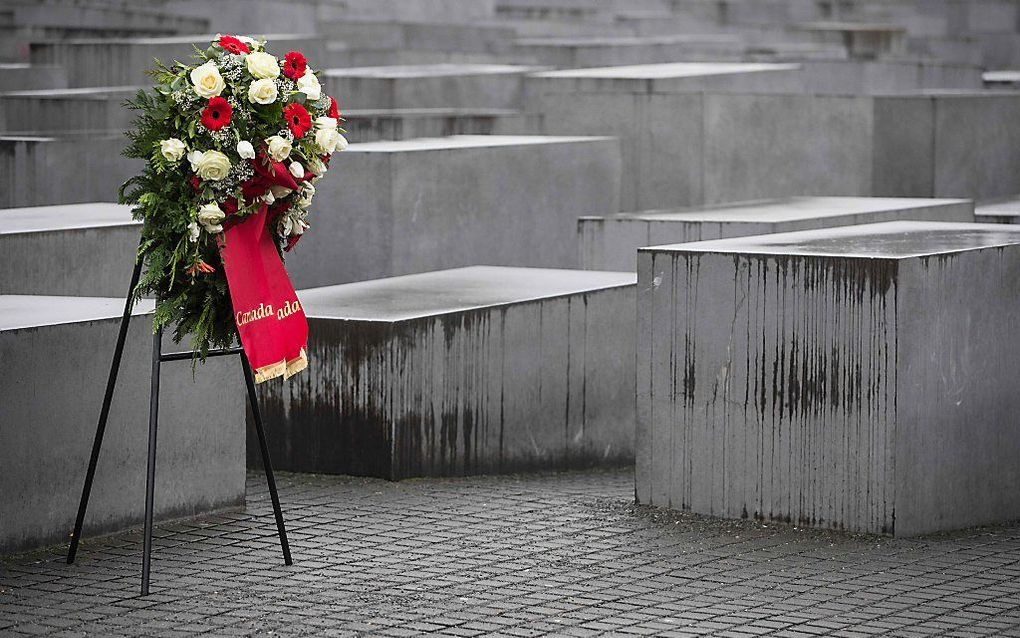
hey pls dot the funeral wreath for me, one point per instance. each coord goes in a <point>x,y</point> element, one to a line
<point>237,137</point>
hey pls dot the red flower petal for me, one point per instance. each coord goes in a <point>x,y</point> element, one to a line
<point>233,45</point>
<point>217,114</point>
<point>334,109</point>
<point>294,65</point>
<point>298,120</point>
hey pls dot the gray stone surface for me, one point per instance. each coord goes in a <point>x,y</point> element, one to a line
<point>64,169</point>
<point>611,242</point>
<point>56,354</point>
<point>858,378</point>
<point>75,249</point>
<point>549,555</point>
<point>57,110</point>
<point>465,371</point>
<point>428,86</point>
<point>373,125</point>
<point>21,76</point>
<point>580,52</point>
<point>394,208</point>
<point>1000,211</point>
<point>689,149</point>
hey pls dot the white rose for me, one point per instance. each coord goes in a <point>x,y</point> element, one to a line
<point>207,80</point>
<point>210,216</point>
<point>296,169</point>
<point>342,144</point>
<point>194,157</point>
<point>279,192</point>
<point>213,166</point>
<point>172,149</point>
<point>262,91</point>
<point>325,122</point>
<point>327,139</point>
<point>309,85</point>
<point>262,65</point>
<point>279,147</point>
<point>316,166</point>
<point>193,232</point>
<point>307,193</point>
<point>245,150</point>
<point>251,42</point>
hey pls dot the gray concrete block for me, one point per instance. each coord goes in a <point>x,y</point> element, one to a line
<point>77,249</point>
<point>712,147</point>
<point>611,242</point>
<point>56,353</point>
<point>466,11</point>
<point>394,208</point>
<point>429,86</point>
<point>1000,211</point>
<point>582,52</point>
<point>466,371</point>
<point>856,378</point>
<point>21,76</point>
<point>421,36</point>
<point>373,125</point>
<point>39,171</point>
<point>49,111</point>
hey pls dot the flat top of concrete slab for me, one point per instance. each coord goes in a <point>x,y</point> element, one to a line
<point>630,40</point>
<point>666,70</point>
<point>177,39</point>
<point>860,27</point>
<point>788,209</point>
<point>18,312</point>
<point>1008,207</point>
<point>432,112</point>
<point>465,141</point>
<point>429,70</point>
<point>447,291</point>
<point>41,219</point>
<point>888,240</point>
<point>1001,76</point>
<point>88,91</point>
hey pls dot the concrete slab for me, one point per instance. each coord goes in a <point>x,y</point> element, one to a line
<point>18,76</point>
<point>373,125</point>
<point>610,51</point>
<point>426,204</point>
<point>76,249</point>
<point>43,170</point>
<point>611,242</point>
<point>56,353</point>
<point>1000,211</point>
<point>466,371</point>
<point>429,86</point>
<point>692,149</point>
<point>854,378</point>
<point>58,110</point>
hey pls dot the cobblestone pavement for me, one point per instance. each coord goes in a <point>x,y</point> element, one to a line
<point>553,554</point>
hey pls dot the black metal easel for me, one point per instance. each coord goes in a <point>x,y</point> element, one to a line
<point>158,357</point>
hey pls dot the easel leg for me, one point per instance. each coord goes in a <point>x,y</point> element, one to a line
<point>104,414</point>
<point>150,476</point>
<point>249,380</point>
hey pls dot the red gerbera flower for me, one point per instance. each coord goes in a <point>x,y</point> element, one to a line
<point>233,45</point>
<point>294,65</point>
<point>217,114</point>
<point>195,182</point>
<point>334,109</point>
<point>298,119</point>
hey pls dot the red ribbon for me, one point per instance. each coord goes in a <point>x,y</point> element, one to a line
<point>269,317</point>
